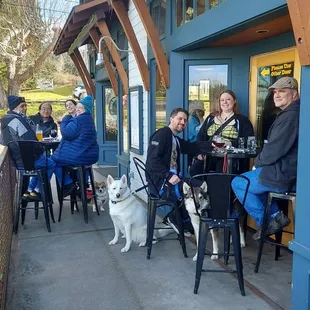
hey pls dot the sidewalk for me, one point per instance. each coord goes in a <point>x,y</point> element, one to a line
<point>74,268</point>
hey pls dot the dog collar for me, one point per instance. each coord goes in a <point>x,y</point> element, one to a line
<point>116,201</point>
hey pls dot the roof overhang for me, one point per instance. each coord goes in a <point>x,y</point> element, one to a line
<point>82,18</point>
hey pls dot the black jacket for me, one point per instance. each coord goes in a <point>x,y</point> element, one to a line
<point>279,156</point>
<point>15,127</point>
<point>46,126</point>
<point>159,154</point>
<point>243,126</point>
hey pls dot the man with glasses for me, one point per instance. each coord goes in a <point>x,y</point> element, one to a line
<point>44,119</point>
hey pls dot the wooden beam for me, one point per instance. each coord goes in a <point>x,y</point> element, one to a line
<point>118,63</point>
<point>121,12</point>
<point>299,11</point>
<point>80,70</point>
<point>85,71</point>
<point>73,26</point>
<point>88,5</point>
<point>95,37</point>
<point>71,34</point>
<point>152,35</point>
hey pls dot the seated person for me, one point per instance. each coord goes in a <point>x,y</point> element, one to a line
<point>79,137</point>
<point>44,119</point>
<point>163,162</point>
<point>276,166</point>
<point>195,121</point>
<point>16,126</point>
<point>227,122</point>
<point>71,107</point>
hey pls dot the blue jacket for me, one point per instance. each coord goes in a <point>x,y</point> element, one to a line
<point>79,141</point>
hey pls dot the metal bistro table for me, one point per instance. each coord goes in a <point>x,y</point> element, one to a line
<point>232,156</point>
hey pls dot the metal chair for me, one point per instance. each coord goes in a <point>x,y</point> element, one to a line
<point>24,155</point>
<point>78,174</point>
<point>288,196</point>
<point>155,201</point>
<point>218,216</point>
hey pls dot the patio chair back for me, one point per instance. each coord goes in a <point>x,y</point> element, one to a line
<point>25,153</point>
<point>220,193</point>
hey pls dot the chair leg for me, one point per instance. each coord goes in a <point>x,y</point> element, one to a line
<point>17,213</point>
<point>36,209</point>
<point>202,241</point>
<point>263,232</point>
<point>278,238</point>
<point>25,183</point>
<point>179,217</point>
<point>151,217</point>
<point>83,192</point>
<point>23,214</point>
<point>44,194</point>
<point>226,245</point>
<point>92,182</point>
<point>60,196</point>
<point>235,232</point>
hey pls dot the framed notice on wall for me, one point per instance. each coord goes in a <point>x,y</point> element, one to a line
<point>135,101</point>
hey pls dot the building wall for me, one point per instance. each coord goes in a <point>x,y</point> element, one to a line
<point>136,80</point>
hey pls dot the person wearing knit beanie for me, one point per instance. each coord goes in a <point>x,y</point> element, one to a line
<point>15,101</point>
<point>87,103</point>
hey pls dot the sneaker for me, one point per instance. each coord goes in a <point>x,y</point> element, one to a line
<point>35,196</point>
<point>68,189</point>
<point>277,223</point>
<point>26,196</point>
<point>171,220</point>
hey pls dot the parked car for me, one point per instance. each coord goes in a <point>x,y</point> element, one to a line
<point>79,92</point>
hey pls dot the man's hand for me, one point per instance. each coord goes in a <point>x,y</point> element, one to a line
<point>253,168</point>
<point>174,180</point>
<point>201,157</point>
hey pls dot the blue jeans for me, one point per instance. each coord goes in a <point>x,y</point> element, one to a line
<point>51,168</point>
<point>257,195</point>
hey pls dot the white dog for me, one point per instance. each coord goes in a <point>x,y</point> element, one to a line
<point>128,215</point>
<point>201,196</point>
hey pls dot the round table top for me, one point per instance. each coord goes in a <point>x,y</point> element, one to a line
<point>230,154</point>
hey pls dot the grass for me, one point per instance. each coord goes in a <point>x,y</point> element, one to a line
<point>59,93</point>
<point>56,98</point>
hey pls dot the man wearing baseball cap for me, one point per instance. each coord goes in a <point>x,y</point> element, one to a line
<point>276,166</point>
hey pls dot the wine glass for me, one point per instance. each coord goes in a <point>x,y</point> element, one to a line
<point>53,133</point>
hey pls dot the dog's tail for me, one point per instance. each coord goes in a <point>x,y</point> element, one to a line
<point>163,230</point>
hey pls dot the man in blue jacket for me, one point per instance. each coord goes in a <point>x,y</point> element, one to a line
<point>276,166</point>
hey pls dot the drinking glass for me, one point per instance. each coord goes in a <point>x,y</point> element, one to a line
<point>217,141</point>
<point>39,133</point>
<point>241,143</point>
<point>53,133</point>
<point>251,145</point>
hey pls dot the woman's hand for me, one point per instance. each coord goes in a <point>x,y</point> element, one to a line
<point>174,180</point>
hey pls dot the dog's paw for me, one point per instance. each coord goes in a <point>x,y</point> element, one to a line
<point>125,249</point>
<point>94,209</point>
<point>142,243</point>
<point>112,242</point>
<point>214,257</point>
<point>102,209</point>
<point>154,241</point>
<point>195,258</point>
<point>242,244</point>
<point>123,237</point>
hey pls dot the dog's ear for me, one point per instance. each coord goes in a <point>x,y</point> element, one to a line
<point>186,188</point>
<point>204,186</point>
<point>104,180</point>
<point>110,180</point>
<point>124,179</point>
<point>96,183</point>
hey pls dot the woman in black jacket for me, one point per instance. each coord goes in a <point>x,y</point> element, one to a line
<point>44,119</point>
<point>228,123</point>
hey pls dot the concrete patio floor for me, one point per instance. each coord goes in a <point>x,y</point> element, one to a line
<point>73,267</point>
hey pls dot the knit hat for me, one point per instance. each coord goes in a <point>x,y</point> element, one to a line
<point>14,101</point>
<point>87,102</point>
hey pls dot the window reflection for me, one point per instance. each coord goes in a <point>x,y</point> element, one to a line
<point>201,7</point>
<point>160,105</point>
<point>110,115</point>
<point>206,82</point>
<point>158,13</point>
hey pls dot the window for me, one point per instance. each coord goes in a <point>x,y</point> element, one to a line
<point>160,104</point>
<point>206,82</point>
<point>158,13</point>
<point>186,10</point>
<point>121,43</point>
<point>125,123</point>
<point>110,115</point>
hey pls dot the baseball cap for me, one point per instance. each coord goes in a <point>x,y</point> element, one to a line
<point>285,82</point>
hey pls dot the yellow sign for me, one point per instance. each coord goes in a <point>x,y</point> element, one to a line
<point>285,69</point>
<point>265,71</point>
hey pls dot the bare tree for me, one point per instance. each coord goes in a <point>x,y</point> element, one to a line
<point>29,30</point>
